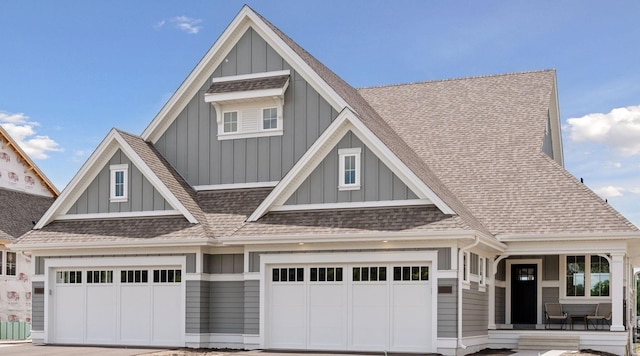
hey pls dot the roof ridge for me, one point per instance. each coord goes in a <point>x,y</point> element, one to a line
<point>457,78</point>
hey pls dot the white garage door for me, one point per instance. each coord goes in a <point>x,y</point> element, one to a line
<point>350,307</point>
<point>118,306</point>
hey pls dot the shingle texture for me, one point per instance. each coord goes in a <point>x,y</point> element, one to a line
<point>353,222</point>
<point>116,230</point>
<point>231,86</point>
<point>482,138</point>
<point>18,211</point>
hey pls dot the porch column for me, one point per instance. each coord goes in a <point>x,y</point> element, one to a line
<point>617,294</point>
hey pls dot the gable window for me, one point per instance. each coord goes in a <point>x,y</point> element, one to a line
<point>349,170</point>
<point>269,118</point>
<point>587,275</point>
<point>230,122</point>
<point>118,184</point>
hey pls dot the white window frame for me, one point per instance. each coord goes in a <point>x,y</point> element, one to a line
<point>238,122</point>
<point>114,168</point>
<point>278,119</point>
<point>586,298</point>
<point>342,154</point>
<point>466,269</point>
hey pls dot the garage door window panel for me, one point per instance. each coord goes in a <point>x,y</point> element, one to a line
<point>69,277</point>
<point>134,276</point>
<point>411,273</point>
<point>287,275</point>
<point>326,274</point>
<point>167,276</point>
<point>366,274</point>
<point>99,277</point>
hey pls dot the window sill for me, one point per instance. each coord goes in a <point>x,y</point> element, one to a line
<point>349,187</point>
<point>118,200</point>
<point>238,135</point>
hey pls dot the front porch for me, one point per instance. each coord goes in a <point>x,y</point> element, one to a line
<point>615,342</point>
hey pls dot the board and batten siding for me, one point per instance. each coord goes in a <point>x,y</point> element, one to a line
<point>447,308</point>
<point>500,305</point>
<point>190,143</point>
<point>142,196</point>
<point>475,311</point>
<point>377,181</point>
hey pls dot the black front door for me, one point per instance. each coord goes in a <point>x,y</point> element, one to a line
<point>524,294</point>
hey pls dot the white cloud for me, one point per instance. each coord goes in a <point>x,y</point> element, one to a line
<point>635,190</point>
<point>618,129</point>
<point>610,191</point>
<point>183,23</point>
<point>22,131</point>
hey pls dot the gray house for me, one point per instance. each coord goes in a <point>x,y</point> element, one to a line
<point>270,205</point>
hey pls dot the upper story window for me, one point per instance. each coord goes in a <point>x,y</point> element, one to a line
<point>230,122</point>
<point>249,105</point>
<point>118,182</point>
<point>587,275</point>
<point>349,170</point>
<point>269,118</point>
<point>9,268</point>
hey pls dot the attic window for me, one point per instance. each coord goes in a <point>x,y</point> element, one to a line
<point>118,182</point>
<point>256,99</point>
<point>349,169</point>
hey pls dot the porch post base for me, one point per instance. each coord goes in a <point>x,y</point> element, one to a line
<point>617,328</point>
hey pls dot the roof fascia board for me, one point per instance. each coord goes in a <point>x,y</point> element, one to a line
<point>345,121</point>
<point>233,78</point>
<point>562,247</point>
<point>52,188</point>
<point>110,245</point>
<point>366,204</point>
<point>81,180</point>
<point>132,214</point>
<point>197,78</point>
<point>552,237</point>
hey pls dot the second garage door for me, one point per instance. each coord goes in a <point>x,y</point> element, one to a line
<point>350,307</point>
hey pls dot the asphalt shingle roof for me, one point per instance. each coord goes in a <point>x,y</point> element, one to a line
<point>231,86</point>
<point>18,211</point>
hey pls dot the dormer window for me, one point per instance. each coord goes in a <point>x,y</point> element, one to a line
<point>349,169</point>
<point>230,122</point>
<point>118,182</point>
<point>249,105</point>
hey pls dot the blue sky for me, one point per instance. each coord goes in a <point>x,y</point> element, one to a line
<point>71,70</point>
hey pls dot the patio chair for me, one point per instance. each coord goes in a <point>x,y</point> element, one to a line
<point>553,312</point>
<point>601,316</point>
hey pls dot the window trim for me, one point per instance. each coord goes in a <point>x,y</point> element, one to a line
<point>343,153</point>
<point>114,169</point>
<point>278,119</point>
<point>587,298</point>
<point>5,264</point>
<point>238,122</point>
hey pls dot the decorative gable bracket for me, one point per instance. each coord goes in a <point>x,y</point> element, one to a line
<point>249,105</point>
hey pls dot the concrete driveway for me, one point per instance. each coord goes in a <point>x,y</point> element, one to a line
<point>28,349</point>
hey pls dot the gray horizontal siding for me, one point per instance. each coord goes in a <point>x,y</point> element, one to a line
<point>142,196</point>
<point>475,315</point>
<point>226,307</point>
<point>197,304</point>
<point>37,307</point>
<point>377,181</point>
<point>447,308</point>
<point>252,307</point>
<point>191,145</point>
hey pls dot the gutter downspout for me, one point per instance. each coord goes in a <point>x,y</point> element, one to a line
<point>460,279</point>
